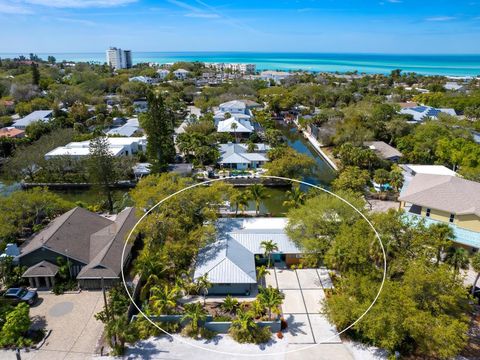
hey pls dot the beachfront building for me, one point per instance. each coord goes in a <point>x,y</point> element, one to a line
<point>230,261</point>
<point>118,58</point>
<point>235,67</point>
<point>38,115</point>
<point>422,113</point>
<point>276,76</point>
<point>384,151</point>
<point>237,156</point>
<point>118,146</point>
<point>91,244</point>
<point>445,199</point>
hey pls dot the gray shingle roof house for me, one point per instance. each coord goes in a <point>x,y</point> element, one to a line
<point>451,194</point>
<point>237,156</point>
<point>384,150</point>
<point>91,243</point>
<point>229,262</point>
<point>445,199</point>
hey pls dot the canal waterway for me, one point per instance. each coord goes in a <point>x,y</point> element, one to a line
<point>272,205</point>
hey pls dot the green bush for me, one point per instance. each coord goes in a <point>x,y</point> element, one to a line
<point>207,334</point>
<point>189,331</point>
<point>256,335</point>
<point>170,327</point>
<point>222,318</point>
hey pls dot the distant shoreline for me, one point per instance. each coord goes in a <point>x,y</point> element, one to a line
<point>368,63</point>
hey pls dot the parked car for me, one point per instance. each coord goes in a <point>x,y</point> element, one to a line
<point>17,295</point>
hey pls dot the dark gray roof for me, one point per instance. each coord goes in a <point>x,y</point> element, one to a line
<point>43,268</point>
<point>108,244</point>
<point>68,235</point>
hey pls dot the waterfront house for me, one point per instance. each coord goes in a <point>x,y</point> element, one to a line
<point>445,199</point>
<point>241,109</point>
<point>237,156</point>
<point>118,146</point>
<point>230,261</point>
<point>238,127</point>
<point>422,113</point>
<point>91,244</point>
<point>384,151</point>
<point>38,115</point>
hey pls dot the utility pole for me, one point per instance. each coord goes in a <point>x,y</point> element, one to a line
<point>105,300</point>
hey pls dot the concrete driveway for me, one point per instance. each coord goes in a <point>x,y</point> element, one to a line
<point>74,330</point>
<point>304,292</point>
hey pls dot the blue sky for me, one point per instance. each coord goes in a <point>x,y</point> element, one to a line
<point>382,26</point>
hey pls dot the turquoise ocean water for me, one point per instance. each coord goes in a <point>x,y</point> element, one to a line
<point>454,65</point>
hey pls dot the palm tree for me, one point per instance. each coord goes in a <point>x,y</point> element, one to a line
<point>244,321</point>
<point>271,298</point>
<point>234,127</point>
<point>119,331</point>
<point>251,147</point>
<point>195,313</point>
<point>230,304</point>
<point>164,298</point>
<point>296,197</point>
<point>262,271</point>
<point>457,257</point>
<point>258,193</point>
<point>441,236</point>
<point>476,268</point>
<point>203,284</point>
<point>268,246</point>
<point>243,201</point>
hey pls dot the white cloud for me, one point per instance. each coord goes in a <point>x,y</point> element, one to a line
<point>76,21</point>
<point>9,8</point>
<point>395,1</point>
<point>441,18</point>
<point>80,3</point>
<point>202,15</point>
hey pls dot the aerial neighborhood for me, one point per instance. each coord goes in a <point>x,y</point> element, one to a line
<point>265,244</point>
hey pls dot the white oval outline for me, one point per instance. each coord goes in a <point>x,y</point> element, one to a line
<point>179,338</point>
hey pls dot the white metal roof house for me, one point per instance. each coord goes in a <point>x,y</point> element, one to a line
<point>38,115</point>
<point>142,79</point>
<point>241,126</point>
<point>421,113</point>
<point>119,146</point>
<point>236,156</point>
<point>229,262</point>
<point>128,129</point>
<point>233,107</point>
